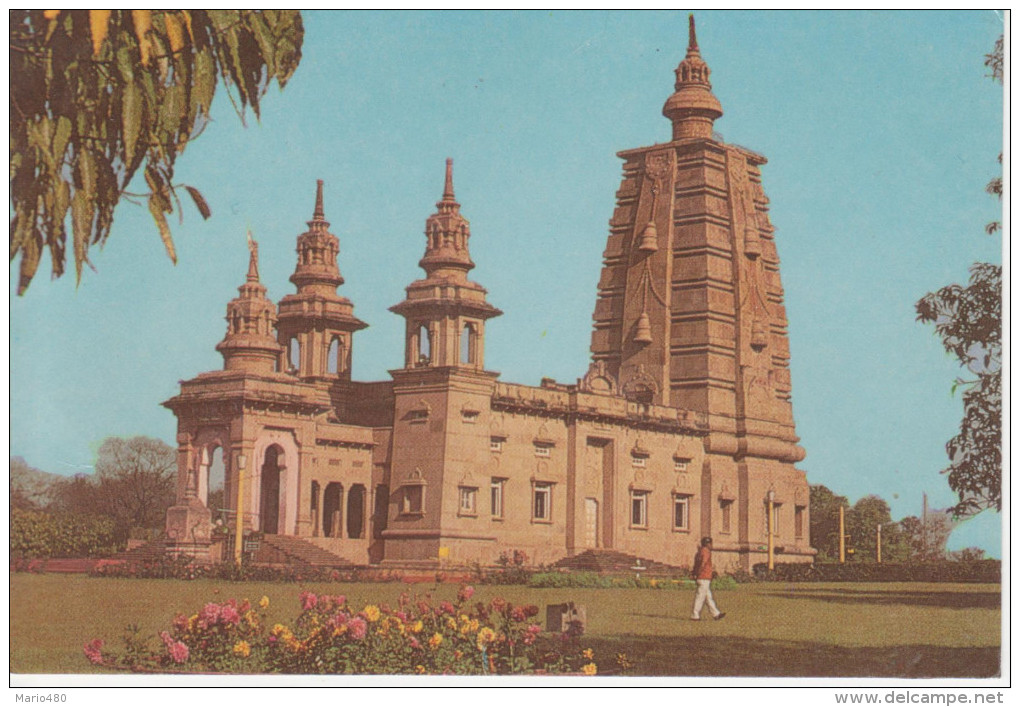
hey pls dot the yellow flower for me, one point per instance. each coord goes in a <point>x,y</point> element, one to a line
<point>192,622</point>
<point>242,649</point>
<point>420,669</point>
<point>589,669</point>
<point>279,629</point>
<point>588,654</point>
<point>435,641</point>
<point>264,602</point>
<point>474,625</point>
<point>451,624</point>
<point>654,582</point>
<point>417,626</point>
<point>485,637</point>
<point>372,613</point>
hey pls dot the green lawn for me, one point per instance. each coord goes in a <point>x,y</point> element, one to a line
<point>901,629</point>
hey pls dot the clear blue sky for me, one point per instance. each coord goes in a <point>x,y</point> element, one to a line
<point>881,131</point>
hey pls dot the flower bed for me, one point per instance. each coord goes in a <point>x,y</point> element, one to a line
<point>330,636</point>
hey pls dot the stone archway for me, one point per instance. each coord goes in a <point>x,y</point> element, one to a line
<point>269,487</point>
<point>356,512</point>
<point>332,510</point>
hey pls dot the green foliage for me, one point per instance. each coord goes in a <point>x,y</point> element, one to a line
<point>37,534</point>
<point>824,527</point>
<point>97,95</point>
<point>31,488</point>
<point>183,567</point>
<point>594,580</point>
<point>968,320</point>
<point>984,571</point>
<point>134,484</point>
<point>926,539</point>
<point>511,569</point>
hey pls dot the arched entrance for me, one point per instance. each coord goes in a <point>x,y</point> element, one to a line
<point>270,491</point>
<point>356,512</point>
<point>332,505</point>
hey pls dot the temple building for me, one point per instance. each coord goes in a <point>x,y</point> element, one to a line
<point>681,427</point>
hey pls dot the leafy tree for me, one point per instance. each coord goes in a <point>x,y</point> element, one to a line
<point>968,320</point>
<point>31,489</point>
<point>825,521</point>
<point>134,484</point>
<point>862,522</point>
<point>97,95</point>
<point>927,538</point>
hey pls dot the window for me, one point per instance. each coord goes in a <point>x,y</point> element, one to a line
<point>726,510</point>
<point>543,450</point>
<point>467,344</point>
<point>495,444</point>
<point>775,518</point>
<point>424,346</point>
<point>412,501</point>
<point>468,500</point>
<point>294,353</point>
<point>332,357</point>
<point>639,509</point>
<point>680,463</point>
<point>542,505</point>
<point>798,521</point>
<point>417,415</point>
<point>639,461</point>
<point>469,416</point>
<point>681,512</point>
<point>496,498</point>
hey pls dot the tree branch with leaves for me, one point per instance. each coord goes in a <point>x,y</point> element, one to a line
<point>98,95</point>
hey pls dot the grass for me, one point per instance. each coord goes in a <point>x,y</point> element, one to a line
<point>810,629</point>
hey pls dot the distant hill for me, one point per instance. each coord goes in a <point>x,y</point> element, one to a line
<point>31,487</point>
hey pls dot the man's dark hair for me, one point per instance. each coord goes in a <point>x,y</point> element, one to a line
<point>705,541</point>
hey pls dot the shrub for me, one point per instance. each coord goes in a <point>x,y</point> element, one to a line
<point>332,637</point>
<point>594,580</point>
<point>183,567</point>
<point>39,534</point>
<point>941,571</point>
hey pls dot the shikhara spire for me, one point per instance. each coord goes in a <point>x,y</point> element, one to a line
<point>693,107</point>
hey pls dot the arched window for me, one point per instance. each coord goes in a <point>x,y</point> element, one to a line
<point>467,344</point>
<point>332,358</point>
<point>294,349</point>
<point>215,500</point>
<point>424,345</point>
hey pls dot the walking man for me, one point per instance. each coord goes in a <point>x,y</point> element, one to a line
<point>703,578</point>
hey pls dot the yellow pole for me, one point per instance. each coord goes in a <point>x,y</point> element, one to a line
<point>842,538</point>
<point>878,544</point>
<point>771,531</point>
<point>239,520</point>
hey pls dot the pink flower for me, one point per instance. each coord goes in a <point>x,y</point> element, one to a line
<point>340,600</point>
<point>229,615</point>
<point>414,643</point>
<point>358,628</point>
<point>497,604</point>
<point>178,652</point>
<point>466,593</point>
<point>534,629</point>
<point>93,651</point>
<point>167,639</point>
<point>447,608</point>
<point>531,610</point>
<point>517,613</point>
<point>400,615</point>
<point>308,600</point>
<point>210,614</point>
<point>180,622</point>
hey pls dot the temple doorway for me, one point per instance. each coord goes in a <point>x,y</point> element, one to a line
<point>356,512</point>
<point>332,503</point>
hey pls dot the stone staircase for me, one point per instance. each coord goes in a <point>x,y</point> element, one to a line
<point>148,552</point>
<point>616,562</point>
<point>289,550</point>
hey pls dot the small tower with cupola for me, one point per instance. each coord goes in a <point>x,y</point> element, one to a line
<point>316,325</point>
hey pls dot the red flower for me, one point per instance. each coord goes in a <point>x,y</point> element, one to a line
<point>308,600</point>
<point>93,651</point>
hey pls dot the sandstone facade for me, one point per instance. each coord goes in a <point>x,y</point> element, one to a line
<point>681,427</point>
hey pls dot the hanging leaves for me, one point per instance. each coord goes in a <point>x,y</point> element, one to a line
<point>96,95</point>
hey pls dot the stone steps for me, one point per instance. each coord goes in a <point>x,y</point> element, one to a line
<point>298,551</point>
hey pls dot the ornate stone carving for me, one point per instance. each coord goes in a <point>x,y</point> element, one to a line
<point>598,379</point>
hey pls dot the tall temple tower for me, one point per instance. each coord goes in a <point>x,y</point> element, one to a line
<point>690,306</point>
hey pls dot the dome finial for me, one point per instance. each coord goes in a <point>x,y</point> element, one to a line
<point>448,187</point>
<point>319,214</point>
<point>253,258</point>
<point>693,107</point>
